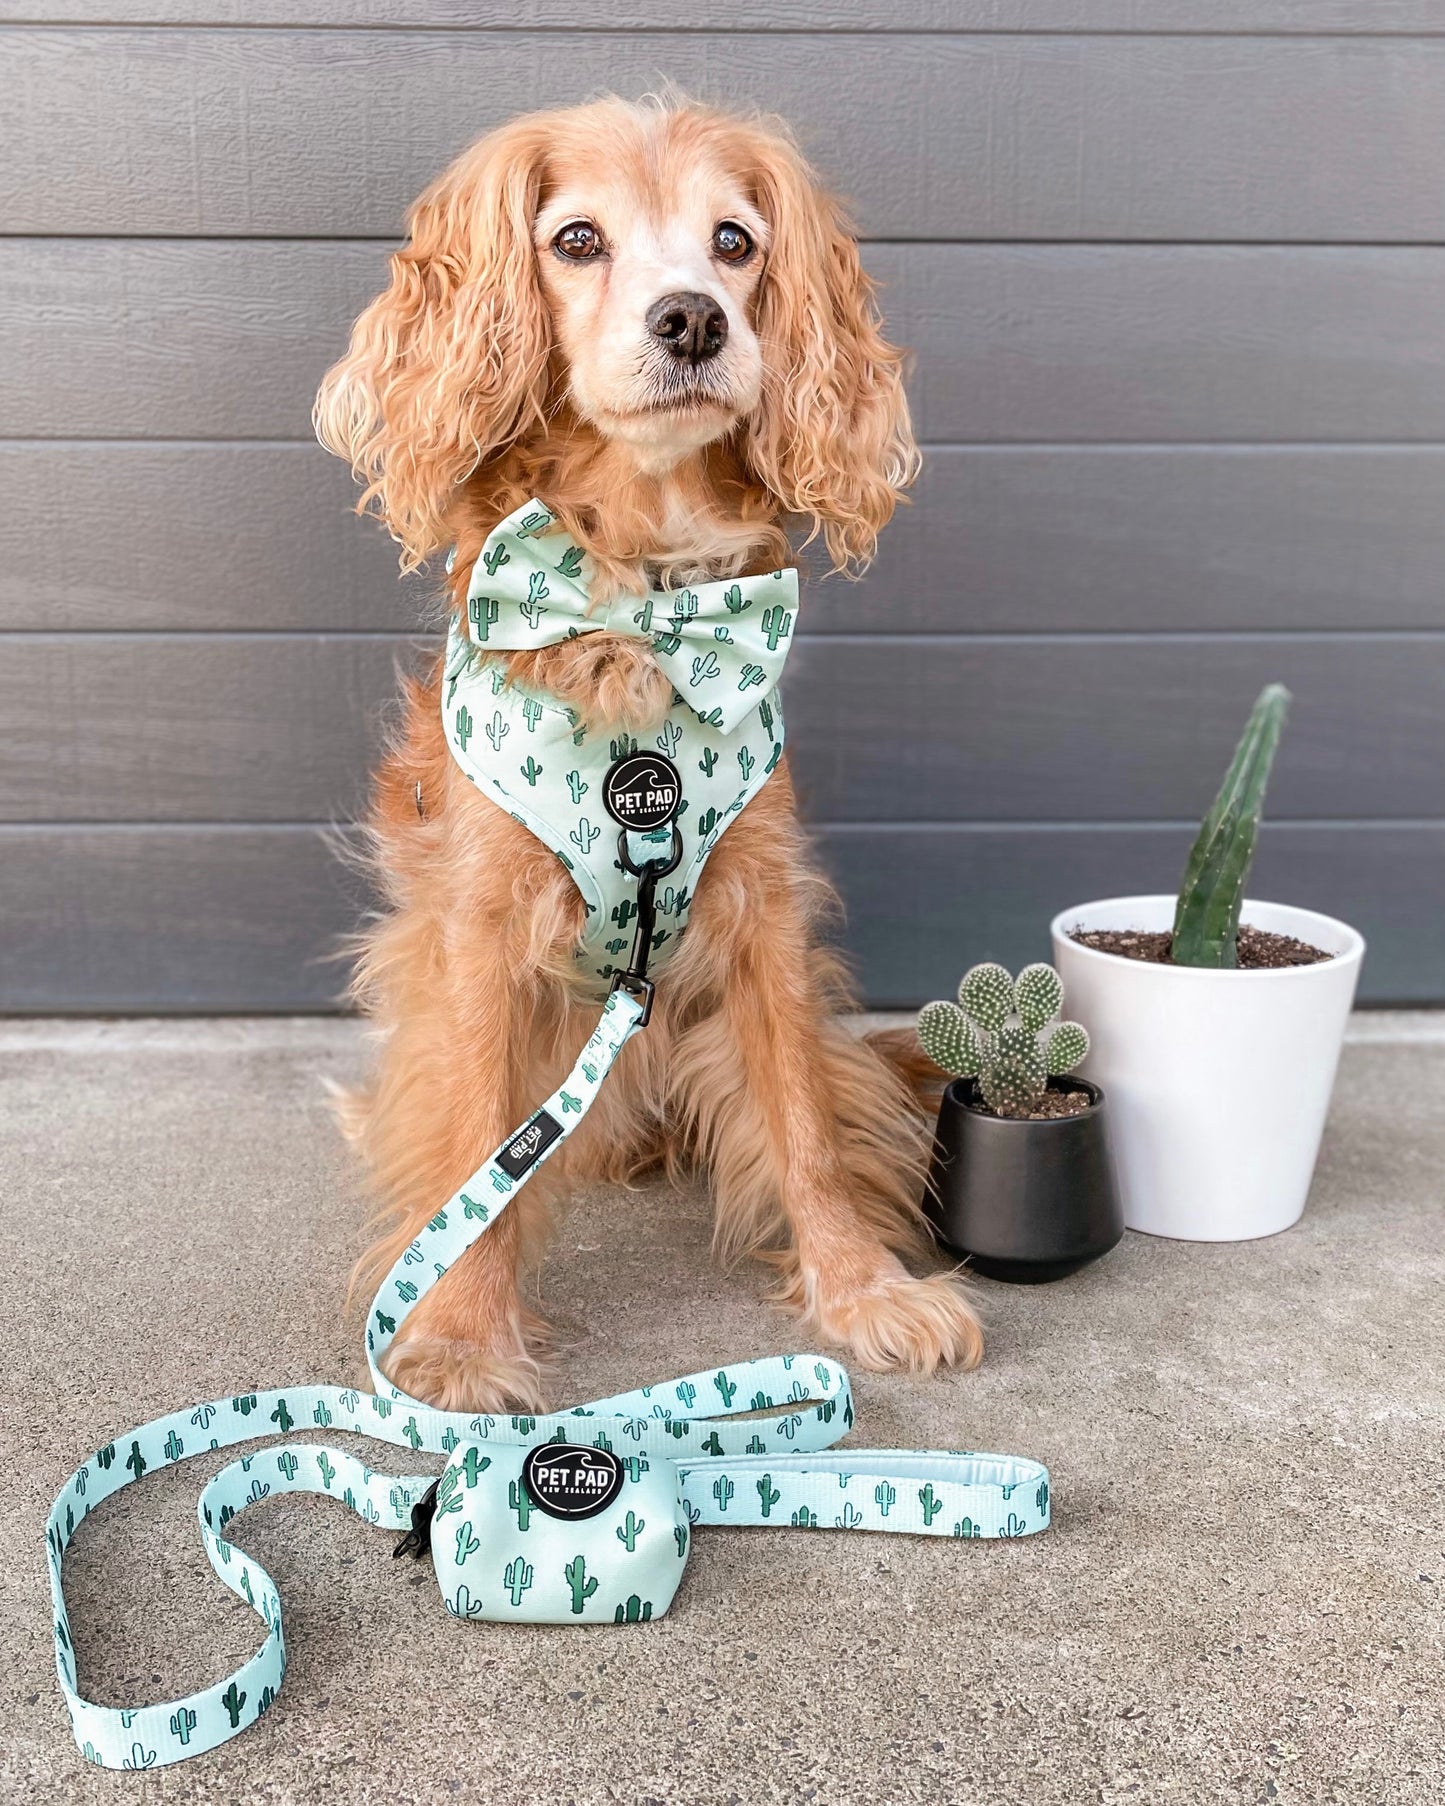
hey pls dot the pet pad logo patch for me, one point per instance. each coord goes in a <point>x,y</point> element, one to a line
<point>642,790</point>
<point>525,1148</point>
<point>569,1481</point>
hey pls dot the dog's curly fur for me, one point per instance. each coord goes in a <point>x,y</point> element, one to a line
<point>494,368</point>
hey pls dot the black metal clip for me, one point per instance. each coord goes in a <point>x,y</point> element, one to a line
<point>635,980</point>
<point>417,1540</point>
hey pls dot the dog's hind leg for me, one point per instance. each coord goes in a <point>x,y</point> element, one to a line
<point>811,1138</point>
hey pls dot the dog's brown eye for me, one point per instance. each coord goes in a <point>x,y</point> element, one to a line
<point>731,243</point>
<point>579,240</point>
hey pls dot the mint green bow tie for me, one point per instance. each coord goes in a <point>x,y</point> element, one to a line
<point>722,644</point>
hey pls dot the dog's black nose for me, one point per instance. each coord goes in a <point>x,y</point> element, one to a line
<point>691,326</point>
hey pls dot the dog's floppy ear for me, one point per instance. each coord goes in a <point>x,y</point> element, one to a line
<point>449,365</point>
<point>831,435</point>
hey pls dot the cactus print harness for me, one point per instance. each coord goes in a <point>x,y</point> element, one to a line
<point>579,1517</point>
<point>722,644</point>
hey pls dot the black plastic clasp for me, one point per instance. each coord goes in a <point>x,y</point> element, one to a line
<point>635,980</point>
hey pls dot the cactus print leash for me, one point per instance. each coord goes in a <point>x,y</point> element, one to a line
<point>742,1445</point>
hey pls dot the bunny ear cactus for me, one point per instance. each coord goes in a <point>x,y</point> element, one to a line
<point>999,1033</point>
<point>1206,920</point>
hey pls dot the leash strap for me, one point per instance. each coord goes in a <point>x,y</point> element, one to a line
<point>765,1469</point>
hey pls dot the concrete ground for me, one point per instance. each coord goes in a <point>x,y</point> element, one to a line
<point>1240,1600</point>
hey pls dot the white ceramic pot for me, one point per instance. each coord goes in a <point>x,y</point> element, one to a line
<point>1218,1082</point>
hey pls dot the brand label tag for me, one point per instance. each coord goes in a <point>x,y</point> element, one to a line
<point>642,790</point>
<point>525,1148</point>
<point>568,1480</point>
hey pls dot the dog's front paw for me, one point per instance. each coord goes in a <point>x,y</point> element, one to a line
<point>897,1320</point>
<point>454,1375</point>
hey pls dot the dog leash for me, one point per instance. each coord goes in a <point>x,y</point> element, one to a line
<point>740,1444</point>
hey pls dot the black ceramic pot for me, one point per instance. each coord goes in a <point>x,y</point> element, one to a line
<point>1024,1201</point>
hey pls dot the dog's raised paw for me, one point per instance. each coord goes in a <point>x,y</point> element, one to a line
<point>453,1375</point>
<point>900,1321</point>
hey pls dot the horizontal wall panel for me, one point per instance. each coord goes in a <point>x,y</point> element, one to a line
<point>935,136</point>
<point>255,536</point>
<point>116,338</point>
<point>1366,17</point>
<point>1094,729</point>
<point>219,728</point>
<point>1000,539</point>
<point>1157,538</point>
<point>1134,342</point>
<point>208,728</point>
<point>154,919</point>
<point>144,339</point>
<point>923,907</point>
<point>146,919</point>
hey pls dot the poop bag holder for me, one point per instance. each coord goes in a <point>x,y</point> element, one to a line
<point>559,1533</point>
<point>583,1516</point>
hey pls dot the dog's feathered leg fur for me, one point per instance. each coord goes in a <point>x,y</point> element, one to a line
<point>809,1137</point>
<point>459,975</point>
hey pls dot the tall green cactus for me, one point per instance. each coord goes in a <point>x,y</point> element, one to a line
<point>768,1494</point>
<point>777,623</point>
<point>575,1574</point>
<point>183,1722</point>
<point>464,726</point>
<point>517,1577</point>
<point>482,612</point>
<point>629,1530</point>
<point>995,1033</point>
<point>520,1501</point>
<point>1206,919</point>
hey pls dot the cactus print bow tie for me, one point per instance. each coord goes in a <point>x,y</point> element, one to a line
<point>722,644</point>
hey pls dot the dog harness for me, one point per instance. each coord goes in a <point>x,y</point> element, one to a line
<point>722,644</point>
<point>583,1516</point>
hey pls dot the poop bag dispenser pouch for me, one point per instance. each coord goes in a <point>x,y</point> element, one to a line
<point>559,1533</point>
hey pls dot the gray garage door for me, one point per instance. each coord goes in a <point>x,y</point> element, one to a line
<point>1177,297</point>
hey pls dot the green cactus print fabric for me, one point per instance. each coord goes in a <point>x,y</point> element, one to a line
<point>741,1444</point>
<point>722,644</point>
<point>499,1556</point>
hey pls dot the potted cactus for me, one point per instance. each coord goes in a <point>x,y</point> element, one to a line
<point>1021,1180</point>
<point>1216,1023</point>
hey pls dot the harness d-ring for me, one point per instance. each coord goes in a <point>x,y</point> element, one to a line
<point>635,980</point>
